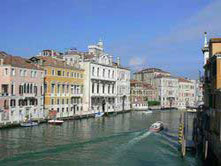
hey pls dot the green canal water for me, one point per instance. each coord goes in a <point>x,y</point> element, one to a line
<point>115,140</point>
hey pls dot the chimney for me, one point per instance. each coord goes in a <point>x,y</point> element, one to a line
<point>118,61</point>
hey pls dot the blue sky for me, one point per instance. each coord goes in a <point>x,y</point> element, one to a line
<point>144,33</point>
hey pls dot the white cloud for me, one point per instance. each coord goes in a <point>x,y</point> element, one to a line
<point>137,63</point>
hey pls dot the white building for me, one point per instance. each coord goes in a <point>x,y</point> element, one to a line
<point>186,96</point>
<point>123,88</point>
<point>106,84</point>
<point>167,90</point>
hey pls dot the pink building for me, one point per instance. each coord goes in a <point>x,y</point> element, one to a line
<point>21,90</point>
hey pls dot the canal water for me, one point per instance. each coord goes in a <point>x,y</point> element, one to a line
<point>114,140</point>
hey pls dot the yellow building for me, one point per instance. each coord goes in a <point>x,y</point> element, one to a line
<point>63,86</point>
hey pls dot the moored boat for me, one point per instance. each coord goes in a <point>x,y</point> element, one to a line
<point>56,122</point>
<point>28,124</point>
<point>99,114</point>
<point>156,127</point>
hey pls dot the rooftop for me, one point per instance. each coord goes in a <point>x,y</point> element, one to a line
<point>54,62</point>
<point>184,80</point>
<point>17,61</point>
<point>151,70</point>
<point>215,40</point>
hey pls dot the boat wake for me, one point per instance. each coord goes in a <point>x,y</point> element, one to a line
<point>131,143</point>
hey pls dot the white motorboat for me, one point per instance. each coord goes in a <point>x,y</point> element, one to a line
<point>99,114</point>
<point>148,112</point>
<point>56,122</point>
<point>156,127</point>
<point>28,124</point>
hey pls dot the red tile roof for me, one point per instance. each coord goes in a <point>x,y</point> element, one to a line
<point>17,61</point>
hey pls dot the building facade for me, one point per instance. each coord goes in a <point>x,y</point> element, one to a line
<point>186,96</point>
<point>63,86</point>
<point>208,121</point>
<point>141,93</point>
<point>168,90</point>
<point>107,84</point>
<point>21,87</point>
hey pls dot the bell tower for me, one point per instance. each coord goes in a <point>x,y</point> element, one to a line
<point>205,49</point>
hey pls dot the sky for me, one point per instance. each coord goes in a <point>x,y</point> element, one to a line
<point>165,34</point>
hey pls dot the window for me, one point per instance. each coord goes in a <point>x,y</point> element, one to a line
<point>67,88</point>
<point>113,74</point>
<point>21,72</point>
<point>6,71</point>
<point>13,72</point>
<point>113,89</point>
<point>67,101</point>
<point>53,72</point>
<point>12,89</point>
<point>57,109</point>
<point>63,88</point>
<point>52,88</point>
<point>35,90</point>
<point>92,71</point>
<point>58,101</point>
<point>25,73</point>
<point>63,73</point>
<point>92,87</point>
<point>52,101</point>
<point>13,103</point>
<point>97,87</point>
<point>20,89</point>
<point>35,74</point>
<point>103,88</point>
<point>108,73</point>
<point>58,88</point>
<point>103,72</point>
<point>62,101</point>
<point>98,72</point>
<point>72,74</point>
<point>46,72</point>
<point>67,74</point>
<point>59,73</point>
<point>108,89</point>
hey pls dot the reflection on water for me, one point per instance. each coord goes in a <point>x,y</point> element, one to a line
<point>115,140</point>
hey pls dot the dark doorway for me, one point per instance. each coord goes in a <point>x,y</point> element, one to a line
<point>103,105</point>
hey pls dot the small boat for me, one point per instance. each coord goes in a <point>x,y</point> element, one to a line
<point>56,122</point>
<point>148,112</point>
<point>99,114</point>
<point>28,124</point>
<point>156,127</point>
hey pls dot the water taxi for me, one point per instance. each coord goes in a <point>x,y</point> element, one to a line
<point>156,127</point>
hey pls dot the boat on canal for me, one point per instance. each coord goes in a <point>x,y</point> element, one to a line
<point>99,114</point>
<point>156,127</point>
<point>29,124</point>
<point>56,122</point>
